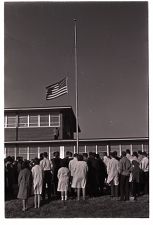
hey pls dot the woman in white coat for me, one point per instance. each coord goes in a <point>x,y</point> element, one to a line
<point>80,176</point>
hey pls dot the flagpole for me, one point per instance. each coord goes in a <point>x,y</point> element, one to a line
<point>76,86</point>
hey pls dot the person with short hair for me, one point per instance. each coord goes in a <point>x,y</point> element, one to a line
<point>56,161</point>
<point>46,166</point>
<point>124,170</point>
<point>85,156</point>
<point>68,158</point>
<point>37,174</point>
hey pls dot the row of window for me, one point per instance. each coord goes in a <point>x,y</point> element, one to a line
<point>32,121</point>
<point>34,151</point>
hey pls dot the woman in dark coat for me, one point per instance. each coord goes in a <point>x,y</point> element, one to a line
<point>24,182</point>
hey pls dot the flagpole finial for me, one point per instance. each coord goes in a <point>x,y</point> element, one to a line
<point>74,20</point>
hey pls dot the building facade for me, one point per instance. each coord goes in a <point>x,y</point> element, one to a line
<point>32,131</point>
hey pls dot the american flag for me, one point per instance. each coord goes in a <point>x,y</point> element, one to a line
<point>57,89</point>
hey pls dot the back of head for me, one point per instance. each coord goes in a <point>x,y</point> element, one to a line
<point>25,164</point>
<point>85,155</point>
<point>56,154</point>
<point>45,155</point>
<point>139,152</point>
<point>135,154</point>
<point>70,154</point>
<point>63,163</point>
<point>104,154</point>
<point>123,154</point>
<point>113,154</point>
<point>144,154</point>
<point>36,161</point>
<point>67,153</point>
<point>97,156</point>
<point>80,158</point>
<point>127,151</point>
<point>75,155</point>
<point>41,156</point>
<point>90,154</point>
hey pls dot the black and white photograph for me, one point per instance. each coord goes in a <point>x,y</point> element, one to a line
<point>76,109</point>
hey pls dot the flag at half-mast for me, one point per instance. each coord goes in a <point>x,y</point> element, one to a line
<point>57,89</point>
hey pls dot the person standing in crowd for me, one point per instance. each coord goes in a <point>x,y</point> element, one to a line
<point>130,158</point>
<point>140,156</point>
<point>105,158</point>
<point>135,171</point>
<point>128,155</point>
<point>92,181</point>
<point>79,176</point>
<point>101,174</point>
<point>116,156</point>
<point>11,177</point>
<point>56,161</point>
<point>24,182</point>
<point>113,175</point>
<point>46,166</point>
<point>63,180</point>
<point>72,165</point>
<point>41,156</point>
<point>141,181</point>
<point>85,156</point>
<point>124,170</point>
<point>37,175</point>
<point>144,165</point>
<point>67,158</point>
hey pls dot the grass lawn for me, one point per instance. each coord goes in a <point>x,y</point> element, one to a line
<point>100,207</point>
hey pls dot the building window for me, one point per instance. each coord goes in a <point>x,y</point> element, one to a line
<point>54,121</point>
<point>33,121</point>
<point>91,148</point>
<point>23,152</point>
<point>10,151</point>
<point>44,120</point>
<point>10,121</point>
<point>43,149</point>
<point>101,149</point>
<point>33,152</point>
<point>23,121</point>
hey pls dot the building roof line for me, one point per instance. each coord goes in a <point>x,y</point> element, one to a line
<point>37,108</point>
<point>81,140</point>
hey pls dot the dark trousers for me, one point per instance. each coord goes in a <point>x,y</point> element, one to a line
<point>146,182</point>
<point>46,180</point>
<point>134,189</point>
<point>124,187</point>
<point>114,189</point>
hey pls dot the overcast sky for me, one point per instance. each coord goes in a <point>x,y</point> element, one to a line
<point>112,44</point>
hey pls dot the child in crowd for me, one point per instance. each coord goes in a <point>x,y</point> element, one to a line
<point>63,180</point>
<point>37,174</point>
<point>24,182</point>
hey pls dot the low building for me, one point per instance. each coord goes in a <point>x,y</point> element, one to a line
<point>32,131</point>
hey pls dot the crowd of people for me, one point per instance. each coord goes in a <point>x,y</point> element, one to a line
<point>77,176</point>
